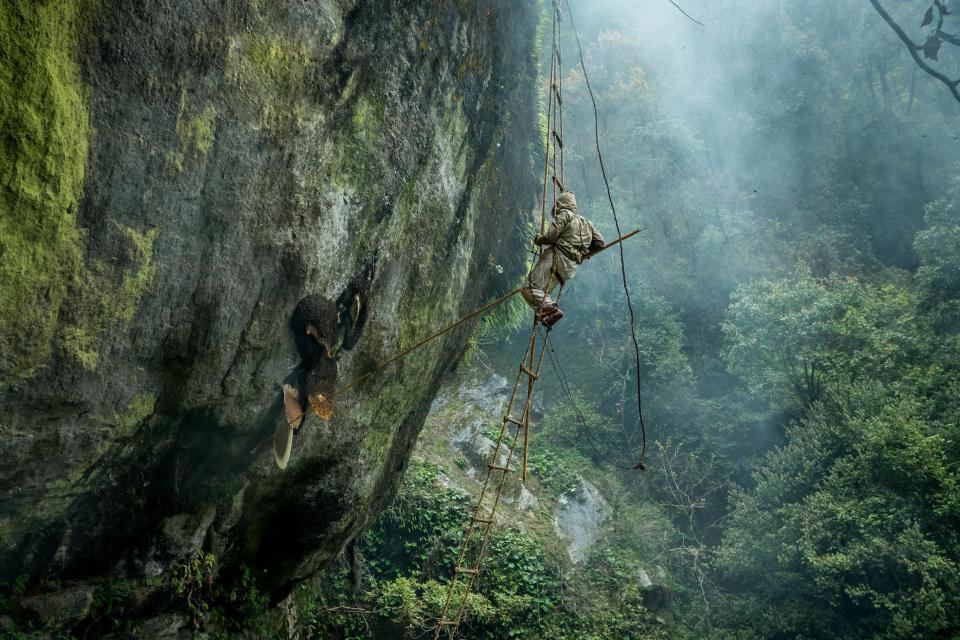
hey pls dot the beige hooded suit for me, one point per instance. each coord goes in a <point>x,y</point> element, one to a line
<point>568,239</point>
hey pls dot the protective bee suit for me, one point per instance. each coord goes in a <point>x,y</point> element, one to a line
<point>568,239</point>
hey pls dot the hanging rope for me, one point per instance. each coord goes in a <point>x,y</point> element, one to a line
<point>582,424</point>
<point>616,221</point>
<point>554,122</point>
<point>477,535</point>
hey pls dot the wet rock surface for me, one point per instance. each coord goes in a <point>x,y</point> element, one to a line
<point>60,609</point>
<point>242,158</point>
<point>465,414</point>
<point>579,518</point>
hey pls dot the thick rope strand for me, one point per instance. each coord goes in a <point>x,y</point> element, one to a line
<point>613,208</point>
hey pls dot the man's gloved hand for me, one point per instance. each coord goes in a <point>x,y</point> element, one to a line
<point>540,240</point>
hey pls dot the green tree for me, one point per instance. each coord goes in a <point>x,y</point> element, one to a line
<point>788,338</point>
<point>851,529</point>
<point>938,247</point>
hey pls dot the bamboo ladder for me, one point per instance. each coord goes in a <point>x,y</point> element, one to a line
<point>477,535</point>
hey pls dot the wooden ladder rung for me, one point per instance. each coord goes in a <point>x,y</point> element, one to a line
<point>509,418</point>
<point>469,572</point>
<point>524,369</point>
<point>482,520</point>
<point>496,467</point>
<point>447,622</point>
<point>556,136</point>
<point>556,92</point>
<point>558,183</point>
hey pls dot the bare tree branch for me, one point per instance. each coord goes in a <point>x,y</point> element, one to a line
<point>914,48</point>
<point>680,9</point>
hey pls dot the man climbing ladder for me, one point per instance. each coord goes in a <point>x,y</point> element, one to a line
<point>568,241</point>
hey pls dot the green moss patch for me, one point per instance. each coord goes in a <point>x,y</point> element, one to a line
<point>48,295</point>
<point>140,407</point>
<point>276,72</point>
<point>102,302</point>
<point>196,134</point>
<point>44,137</point>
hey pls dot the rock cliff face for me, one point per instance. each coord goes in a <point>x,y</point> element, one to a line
<point>177,178</point>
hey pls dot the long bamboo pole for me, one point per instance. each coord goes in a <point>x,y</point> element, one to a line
<point>473,314</point>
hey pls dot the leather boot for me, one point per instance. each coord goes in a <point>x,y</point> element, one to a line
<point>552,317</point>
<point>545,311</point>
